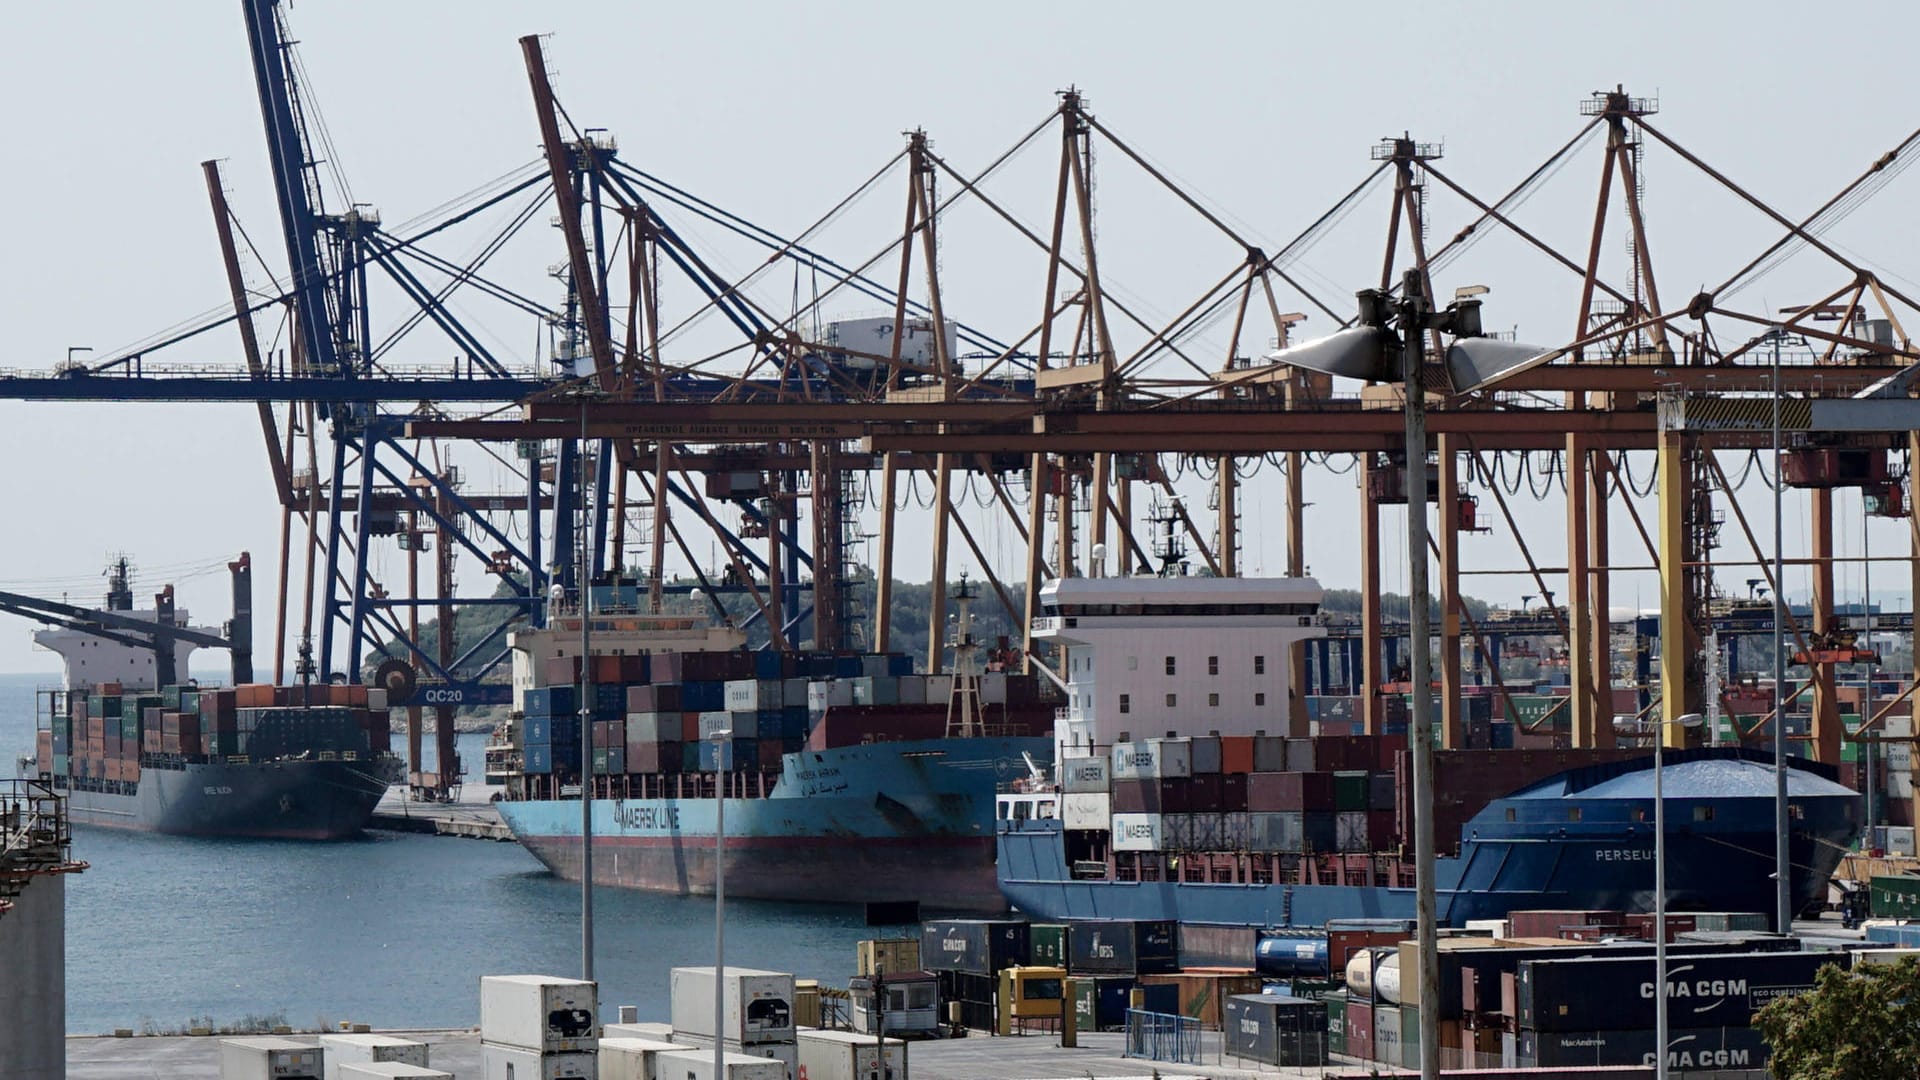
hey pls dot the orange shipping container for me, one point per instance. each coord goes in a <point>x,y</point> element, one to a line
<point>1236,753</point>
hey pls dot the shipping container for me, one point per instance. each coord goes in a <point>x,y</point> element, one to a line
<point>1208,946</point>
<point>1549,923</point>
<point>1335,1004</point>
<point>500,1062</point>
<point>844,1055</point>
<point>1086,775</point>
<point>1122,947</point>
<point>1276,1030</point>
<point>1610,994</point>
<point>625,1058</point>
<point>698,1065</point>
<point>1292,955</point>
<point>1140,832</point>
<point>1086,811</point>
<point>1270,754</point>
<point>270,1058</point>
<point>390,1070</point>
<point>545,1013</point>
<point>1100,1004</point>
<point>1289,791</point>
<point>1702,1049</point>
<point>344,1049</point>
<point>1205,754</point>
<point>1359,1028</point>
<point>974,946</point>
<point>758,1004</point>
<point>1156,759</point>
<point>887,954</point>
<point>1047,944</point>
<point>1203,993</point>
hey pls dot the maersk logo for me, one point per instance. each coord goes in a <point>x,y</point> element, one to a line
<point>1136,830</point>
<point>1138,759</point>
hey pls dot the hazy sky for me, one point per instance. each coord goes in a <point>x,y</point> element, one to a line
<point>776,112</point>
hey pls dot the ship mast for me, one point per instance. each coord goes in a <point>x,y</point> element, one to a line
<point>963,706</point>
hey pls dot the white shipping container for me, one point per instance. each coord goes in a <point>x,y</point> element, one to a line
<point>786,1053</point>
<point>1086,775</point>
<point>345,1049</point>
<point>1086,811</point>
<point>742,695</point>
<point>1139,832</point>
<point>539,1012</point>
<point>1900,785</point>
<point>939,689</point>
<point>711,722</point>
<point>1900,840</point>
<point>390,1070</point>
<point>1350,831</point>
<point>1154,759</point>
<point>1883,956</point>
<point>758,1004</point>
<point>821,695</point>
<point>652,1030</point>
<point>843,1055</point>
<point>270,1058</point>
<point>698,1065</point>
<point>632,1059</point>
<point>993,688</point>
<point>1495,927</point>
<point>1236,831</point>
<point>499,1062</point>
<point>913,689</point>
<point>1899,755</point>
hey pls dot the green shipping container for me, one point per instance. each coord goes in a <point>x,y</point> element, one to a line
<point>1350,790</point>
<point>1526,709</point>
<point>1410,1036</point>
<point>1047,945</point>
<point>1337,1022</point>
<point>59,764</point>
<point>1085,995</point>
<point>1895,897</point>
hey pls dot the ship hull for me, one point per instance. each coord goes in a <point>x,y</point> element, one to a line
<point>281,800</point>
<point>885,822</point>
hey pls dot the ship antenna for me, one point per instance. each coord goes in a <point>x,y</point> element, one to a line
<point>963,707</point>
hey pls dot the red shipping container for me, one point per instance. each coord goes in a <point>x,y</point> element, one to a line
<point>648,758</point>
<point>77,706</point>
<point>108,689</point>
<point>633,668</point>
<point>1233,793</point>
<point>130,770</point>
<point>561,670</point>
<point>1360,1030</point>
<point>1278,792</point>
<point>1236,753</point>
<point>43,750</point>
<point>690,727</point>
<point>1547,923</point>
<point>770,753</point>
<point>606,669</point>
<point>1204,794</point>
<point>1383,830</point>
<point>664,668</point>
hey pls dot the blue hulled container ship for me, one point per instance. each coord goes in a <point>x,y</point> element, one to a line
<point>1179,793</point>
<point>844,778</point>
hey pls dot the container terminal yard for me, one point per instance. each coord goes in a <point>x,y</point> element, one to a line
<point>1154,806</point>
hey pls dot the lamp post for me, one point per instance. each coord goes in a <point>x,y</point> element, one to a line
<point>1689,720</point>
<point>1369,350</point>
<point>1782,870</point>
<point>721,740</point>
<point>586,718</point>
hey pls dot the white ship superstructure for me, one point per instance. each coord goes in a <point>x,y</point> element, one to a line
<point>1153,656</point>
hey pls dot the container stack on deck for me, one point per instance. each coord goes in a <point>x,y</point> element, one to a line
<point>106,737</point>
<point>653,716</point>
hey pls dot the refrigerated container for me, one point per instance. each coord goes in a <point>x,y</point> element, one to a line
<point>698,1065</point>
<point>546,1013</point>
<point>343,1049</point>
<point>390,1070</point>
<point>270,1058</point>
<point>843,1055</point>
<point>758,1004</point>
<point>623,1058</point>
<point>499,1062</point>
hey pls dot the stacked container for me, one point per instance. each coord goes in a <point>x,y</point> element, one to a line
<point>968,955</point>
<point>538,1026</point>
<point>843,1055</point>
<point>629,1058</point>
<point>270,1058</point>
<point>345,1049</point>
<point>756,1011</point>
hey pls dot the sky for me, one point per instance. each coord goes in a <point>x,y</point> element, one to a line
<point>1267,112</point>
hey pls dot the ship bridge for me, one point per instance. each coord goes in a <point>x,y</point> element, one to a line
<point>1147,656</point>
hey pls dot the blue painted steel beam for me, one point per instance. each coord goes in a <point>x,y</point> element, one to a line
<point>330,610</point>
<point>431,305</point>
<point>459,501</point>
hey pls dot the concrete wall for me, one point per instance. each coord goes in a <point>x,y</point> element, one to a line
<point>33,988</point>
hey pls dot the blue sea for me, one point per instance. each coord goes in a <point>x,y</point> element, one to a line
<point>393,930</point>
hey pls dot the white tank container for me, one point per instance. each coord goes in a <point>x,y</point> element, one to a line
<point>270,1058</point>
<point>544,1013</point>
<point>758,1005</point>
<point>843,1055</point>
<point>343,1049</point>
<point>499,1062</point>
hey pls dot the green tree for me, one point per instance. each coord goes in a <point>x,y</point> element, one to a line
<point>1862,1024</point>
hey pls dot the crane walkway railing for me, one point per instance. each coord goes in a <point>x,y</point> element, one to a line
<point>35,837</point>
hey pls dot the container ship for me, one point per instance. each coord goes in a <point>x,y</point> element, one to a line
<point>845,778</point>
<point>132,748</point>
<point>1239,826</point>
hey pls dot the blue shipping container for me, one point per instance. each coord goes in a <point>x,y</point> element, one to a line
<point>539,760</point>
<point>703,696</point>
<point>899,664</point>
<point>766,664</point>
<point>551,701</point>
<point>740,754</point>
